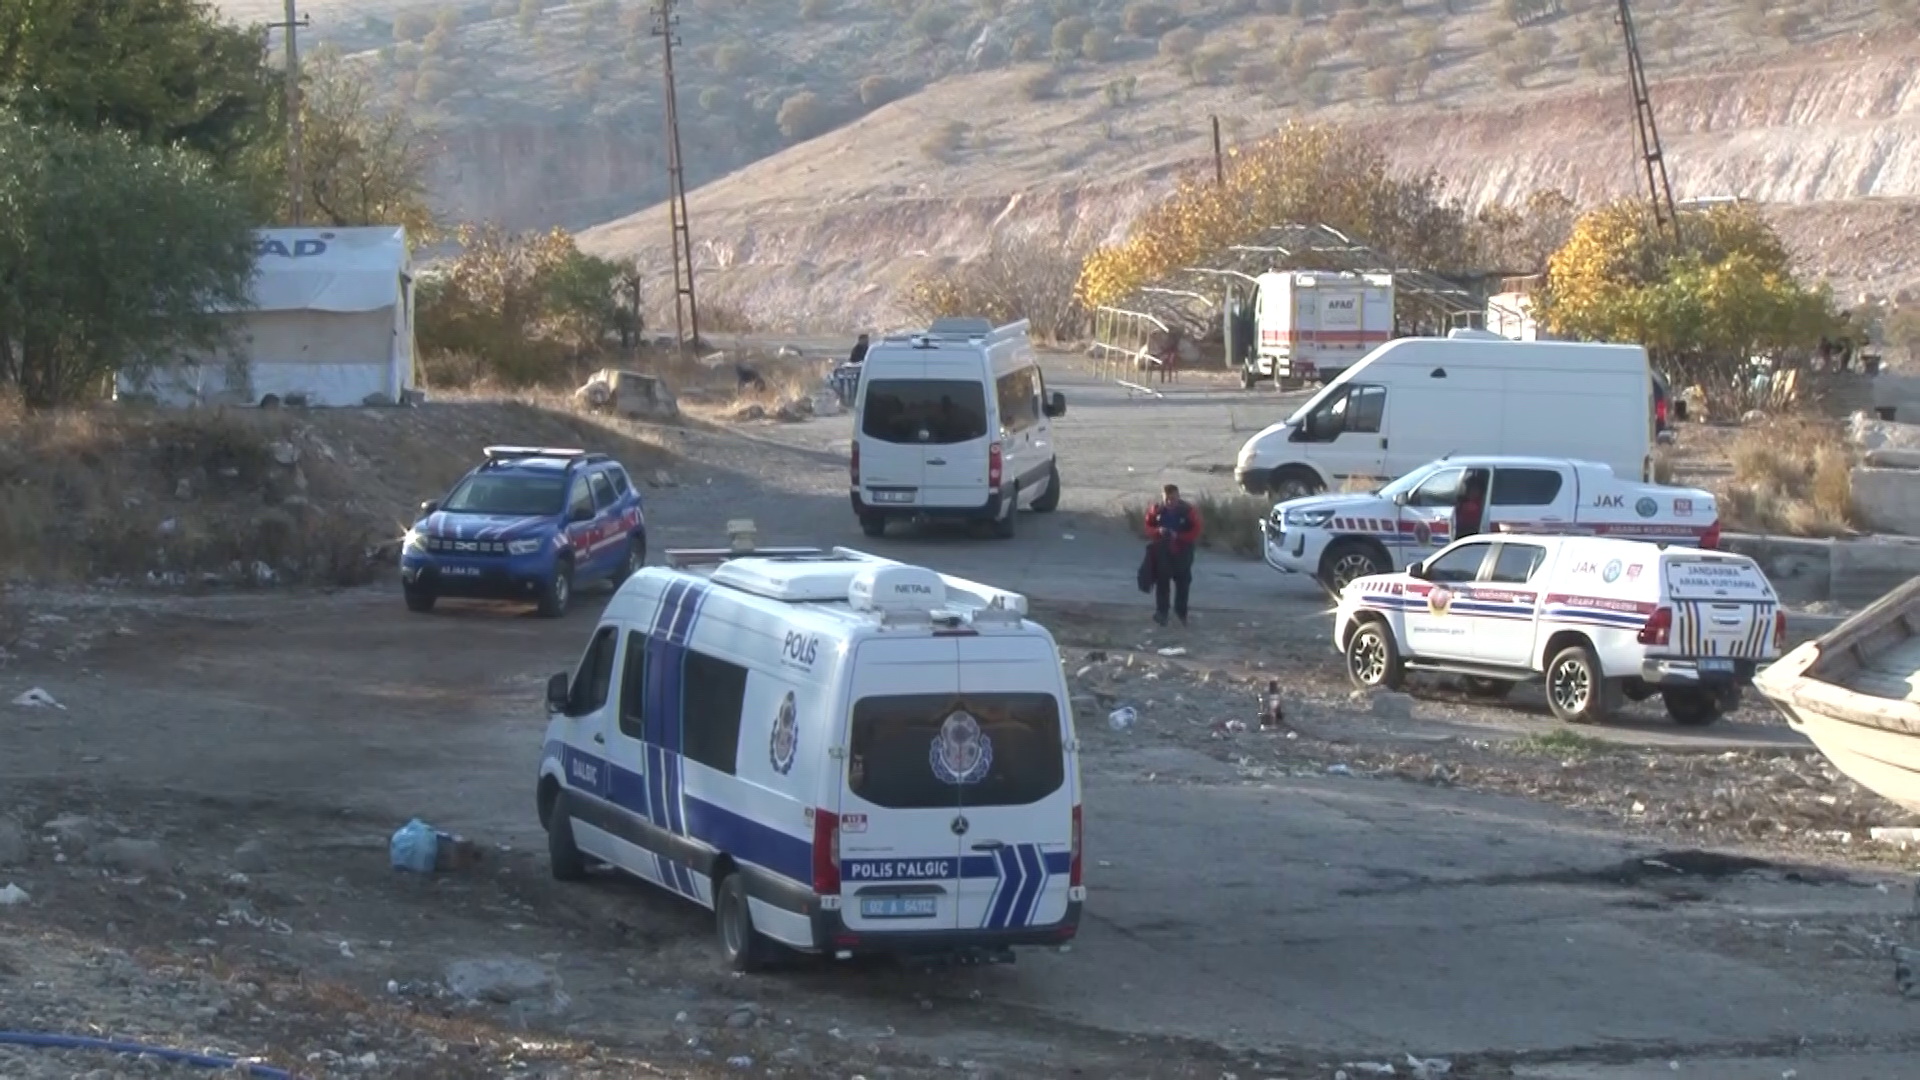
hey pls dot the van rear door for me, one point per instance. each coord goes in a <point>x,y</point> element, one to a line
<point>1722,607</point>
<point>899,863</point>
<point>1017,792</point>
<point>929,431</point>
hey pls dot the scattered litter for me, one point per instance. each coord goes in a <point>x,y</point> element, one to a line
<point>1273,714</point>
<point>741,1062</point>
<point>421,849</point>
<point>346,950</point>
<point>37,698</point>
<point>1066,536</point>
<point>1428,1068</point>
<point>1172,650</point>
<point>1338,769</point>
<point>1122,718</point>
<point>13,895</point>
<point>1372,1068</point>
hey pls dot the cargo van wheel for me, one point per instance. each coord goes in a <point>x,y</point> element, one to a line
<point>1373,660</point>
<point>1050,501</point>
<point>558,592</point>
<point>1577,691</point>
<point>1003,526</point>
<point>874,525</point>
<point>563,857</point>
<point>1293,482</point>
<point>745,949</point>
<point>1691,706</point>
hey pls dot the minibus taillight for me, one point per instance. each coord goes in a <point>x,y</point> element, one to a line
<point>1073,868</point>
<point>1659,627</point>
<point>993,465</point>
<point>1711,538</point>
<point>826,853</point>
<point>1779,629</point>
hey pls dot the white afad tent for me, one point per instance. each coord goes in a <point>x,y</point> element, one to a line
<point>331,324</point>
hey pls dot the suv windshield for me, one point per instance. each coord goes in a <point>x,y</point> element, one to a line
<point>508,496</point>
<point>919,751</point>
<point>934,412</point>
<point>1405,484</point>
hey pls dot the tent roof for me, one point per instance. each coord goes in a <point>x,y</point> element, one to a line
<point>340,270</point>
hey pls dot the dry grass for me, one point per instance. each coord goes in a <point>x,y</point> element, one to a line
<point>1227,522</point>
<point>1790,478</point>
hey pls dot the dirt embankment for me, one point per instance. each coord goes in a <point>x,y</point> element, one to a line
<point>248,496</point>
<point>827,234</point>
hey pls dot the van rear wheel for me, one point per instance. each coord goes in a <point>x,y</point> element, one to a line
<point>563,855</point>
<point>742,945</point>
<point>1003,526</point>
<point>874,525</point>
<point>1049,501</point>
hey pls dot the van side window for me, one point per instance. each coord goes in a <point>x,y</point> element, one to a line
<point>1440,489</point>
<point>1366,405</point>
<point>590,681</point>
<point>602,490</point>
<point>633,688</point>
<point>1525,487</point>
<point>1018,750</point>
<point>1458,566</point>
<point>1516,563</point>
<point>1018,408</point>
<point>580,500</point>
<point>716,691</point>
<point>619,477</point>
<point>1356,408</point>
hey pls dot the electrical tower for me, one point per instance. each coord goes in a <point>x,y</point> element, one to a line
<point>296,177</point>
<point>1652,160</point>
<point>686,313</point>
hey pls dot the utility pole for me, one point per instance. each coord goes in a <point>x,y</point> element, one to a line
<point>687,325</point>
<point>1219,160</point>
<point>1652,159</point>
<point>296,176</point>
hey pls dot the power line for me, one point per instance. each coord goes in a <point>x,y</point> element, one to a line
<point>686,324</point>
<point>296,173</point>
<point>1652,159</point>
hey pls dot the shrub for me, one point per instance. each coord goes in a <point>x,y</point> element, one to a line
<point>1257,74</point>
<point>1304,55</point>
<point>1418,71</point>
<point>1383,83</point>
<point>1790,24</point>
<point>1210,65</point>
<point>1017,279</point>
<point>1069,33</point>
<point>877,90</point>
<point>1792,477</point>
<point>1306,9</point>
<point>1148,20</point>
<point>933,21</point>
<point>731,58</point>
<point>1040,85</point>
<point>716,99</point>
<point>945,140</point>
<point>1025,47</point>
<point>1180,42</point>
<point>1099,45</point>
<point>802,116</point>
<point>411,26</point>
<point>1346,26</point>
<point>813,9</point>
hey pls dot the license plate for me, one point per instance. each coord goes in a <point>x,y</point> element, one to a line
<point>893,496</point>
<point>1716,665</point>
<point>460,571</point>
<point>899,907</point>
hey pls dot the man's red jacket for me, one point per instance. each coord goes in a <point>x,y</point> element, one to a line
<point>1182,517</point>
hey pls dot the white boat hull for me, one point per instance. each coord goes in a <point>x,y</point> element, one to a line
<point>1884,763</point>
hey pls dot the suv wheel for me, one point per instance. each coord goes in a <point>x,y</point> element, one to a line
<point>1691,706</point>
<point>558,594</point>
<point>419,599</point>
<point>636,559</point>
<point>1576,689</point>
<point>742,945</point>
<point>1348,560</point>
<point>1373,660</point>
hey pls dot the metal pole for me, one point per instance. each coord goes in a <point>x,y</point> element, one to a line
<point>296,172</point>
<point>689,330</point>
<point>1219,160</point>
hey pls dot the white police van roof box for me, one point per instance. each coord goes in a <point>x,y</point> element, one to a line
<point>896,593</point>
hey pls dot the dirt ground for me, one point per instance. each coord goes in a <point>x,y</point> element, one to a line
<point>200,829</point>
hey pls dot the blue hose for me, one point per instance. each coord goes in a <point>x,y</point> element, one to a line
<point>49,1041</point>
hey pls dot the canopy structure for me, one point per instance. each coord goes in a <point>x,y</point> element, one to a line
<point>331,323</point>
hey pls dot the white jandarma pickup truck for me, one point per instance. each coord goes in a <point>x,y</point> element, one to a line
<point>1337,538</point>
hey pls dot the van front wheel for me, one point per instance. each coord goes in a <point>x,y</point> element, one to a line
<point>1049,501</point>
<point>743,946</point>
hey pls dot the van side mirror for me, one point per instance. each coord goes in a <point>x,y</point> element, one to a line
<point>429,506</point>
<point>1056,404</point>
<point>1418,570</point>
<point>557,692</point>
<point>1399,498</point>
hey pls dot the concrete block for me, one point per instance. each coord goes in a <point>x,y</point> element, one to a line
<point>1893,459</point>
<point>1871,434</point>
<point>1888,500</point>
<point>1865,570</point>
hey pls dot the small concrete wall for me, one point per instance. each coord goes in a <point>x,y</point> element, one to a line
<point>1866,570</point>
<point>1801,570</point>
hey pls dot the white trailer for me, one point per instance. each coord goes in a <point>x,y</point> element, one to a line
<point>1314,325</point>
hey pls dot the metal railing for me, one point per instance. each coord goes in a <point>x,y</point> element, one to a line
<point>1123,343</point>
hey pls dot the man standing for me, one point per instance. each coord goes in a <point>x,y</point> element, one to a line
<point>1173,527</point>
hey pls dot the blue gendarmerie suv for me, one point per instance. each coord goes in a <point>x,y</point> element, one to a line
<point>530,522</point>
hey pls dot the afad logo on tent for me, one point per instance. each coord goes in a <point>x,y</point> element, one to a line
<point>267,245</point>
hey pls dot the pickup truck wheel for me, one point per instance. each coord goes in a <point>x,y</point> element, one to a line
<point>1576,689</point>
<point>1690,706</point>
<point>1373,660</point>
<point>1491,689</point>
<point>1348,560</point>
<point>558,593</point>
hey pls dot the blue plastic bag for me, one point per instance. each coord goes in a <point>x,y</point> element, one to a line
<point>415,846</point>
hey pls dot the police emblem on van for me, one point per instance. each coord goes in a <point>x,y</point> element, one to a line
<point>1440,601</point>
<point>961,753</point>
<point>785,741</point>
<point>1612,573</point>
<point>1646,507</point>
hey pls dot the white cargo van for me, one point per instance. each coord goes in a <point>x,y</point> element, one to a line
<point>833,751</point>
<point>956,423</point>
<point>1413,400</point>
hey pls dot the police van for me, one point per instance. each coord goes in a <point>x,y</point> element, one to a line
<point>834,752</point>
<point>1598,621</point>
<point>1337,538</point>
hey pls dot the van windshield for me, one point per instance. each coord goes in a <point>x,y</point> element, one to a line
<point>927,412</point>
<point>933,751</point>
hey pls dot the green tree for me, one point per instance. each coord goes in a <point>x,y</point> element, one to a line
<point>1145,19</point>
<point>167,72</point>
<point>520,304</point>
<point>802,116</point>
<point>1069,33</point>
<point>114,256</point>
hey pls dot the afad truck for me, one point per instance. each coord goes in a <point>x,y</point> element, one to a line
<point>1310,325</point>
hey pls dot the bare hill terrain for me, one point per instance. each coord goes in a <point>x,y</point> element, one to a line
<point>839,145</point>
